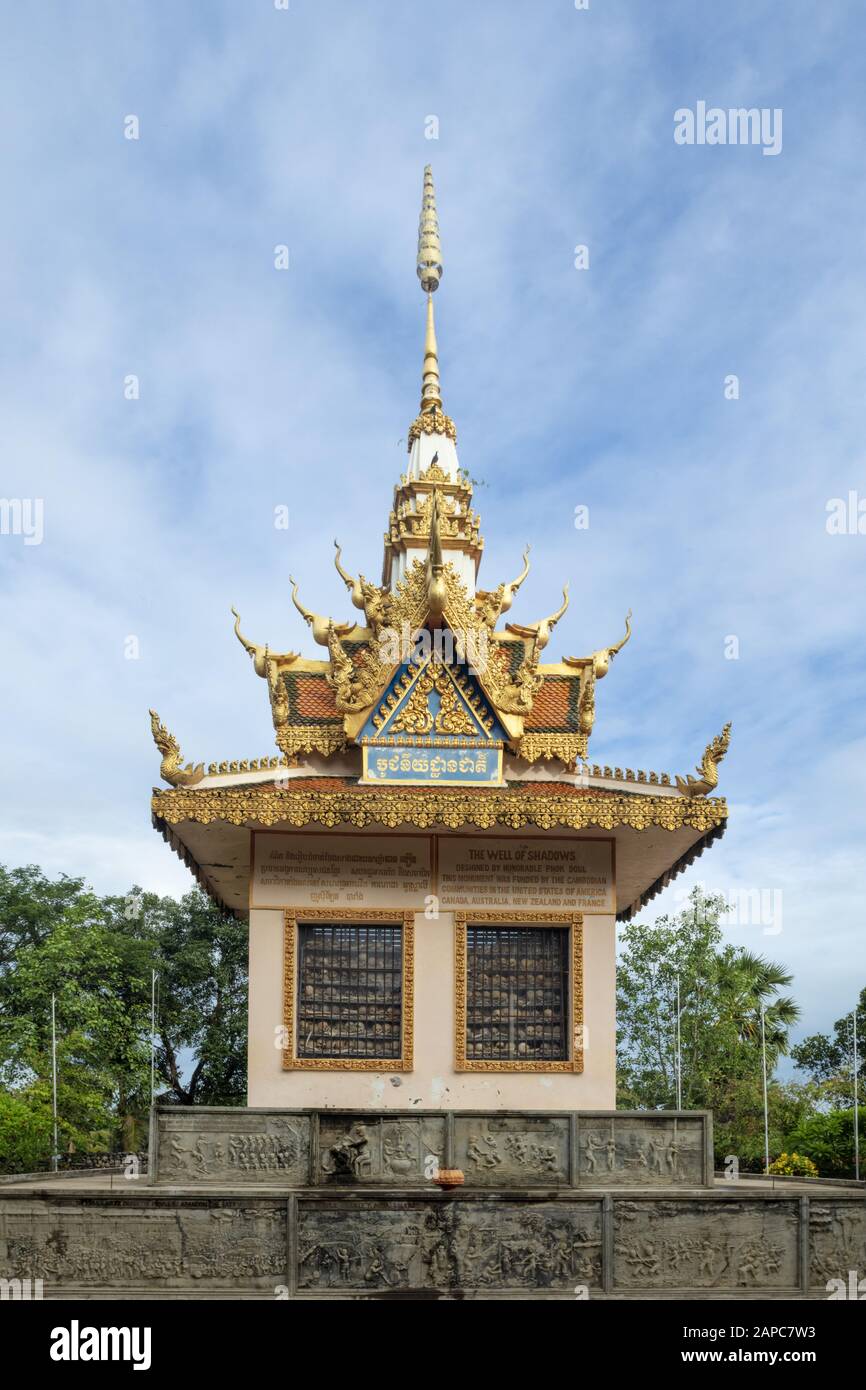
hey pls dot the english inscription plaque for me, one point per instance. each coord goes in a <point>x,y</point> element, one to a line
<point>565,874</point>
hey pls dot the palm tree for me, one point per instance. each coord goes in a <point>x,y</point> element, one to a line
<point>748,983</point>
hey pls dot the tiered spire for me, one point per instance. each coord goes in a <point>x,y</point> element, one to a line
<point>434,474</point>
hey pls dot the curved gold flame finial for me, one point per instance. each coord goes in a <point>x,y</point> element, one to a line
<point>601,660</point>
<point>258,653</point>
<point>317,624</point>
<point>539,633</point>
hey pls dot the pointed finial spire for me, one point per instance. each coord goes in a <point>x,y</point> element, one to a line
<point>432,419</point>
<point>429,269</point>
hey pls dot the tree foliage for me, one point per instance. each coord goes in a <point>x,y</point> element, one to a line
<point>830,1060</point>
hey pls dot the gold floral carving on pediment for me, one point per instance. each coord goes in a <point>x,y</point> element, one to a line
<point>460,710</point>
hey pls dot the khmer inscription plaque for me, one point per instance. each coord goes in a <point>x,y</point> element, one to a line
<point>345,871</point>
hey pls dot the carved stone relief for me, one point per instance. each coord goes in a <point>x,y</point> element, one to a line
<point>234,1148</point>
<point>640,1151</point>
<point>512,1151</point>
<point>706,1244</point>
<point>838,1242</point>
<point>376,1148</point>
<point>465,1245</point>
<point>121,1245</point>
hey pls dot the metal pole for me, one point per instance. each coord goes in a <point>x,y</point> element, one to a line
<point>152,1035</point>
<point>679,1051</point>
<point>856,1103</point>
<point>55,1156</point>
<point>766,1109</point>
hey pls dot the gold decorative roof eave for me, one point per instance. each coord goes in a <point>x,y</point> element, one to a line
<point>427,806</point>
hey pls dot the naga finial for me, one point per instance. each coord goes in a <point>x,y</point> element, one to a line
<point>171,768</point>
<point>599,662</point>
<point>490,604</point>
<point>708,766</point>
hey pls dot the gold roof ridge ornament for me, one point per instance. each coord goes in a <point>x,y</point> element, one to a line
<point>428,266</point>
<point>373,601</point>
<point>708,766</point>
<point>171,768</point>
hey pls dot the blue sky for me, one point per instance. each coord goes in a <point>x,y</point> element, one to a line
<point>602,388</point>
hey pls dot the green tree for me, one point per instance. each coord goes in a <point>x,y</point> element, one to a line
<point>95,956</point>
<point>57,943</point>
<point>200,957</point>
<point>722,990</point>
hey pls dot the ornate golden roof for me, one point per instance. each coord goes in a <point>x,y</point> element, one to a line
<point>433,548</point>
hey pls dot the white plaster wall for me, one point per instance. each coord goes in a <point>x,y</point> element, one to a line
<point>433,1084</point>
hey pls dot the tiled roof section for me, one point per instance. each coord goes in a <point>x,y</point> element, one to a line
<point>555,708</point>
<point>508,655</point>
<point>311,699</point>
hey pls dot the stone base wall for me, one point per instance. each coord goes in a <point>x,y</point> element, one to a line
<point>329,1204</point>
<point>387,1244</point>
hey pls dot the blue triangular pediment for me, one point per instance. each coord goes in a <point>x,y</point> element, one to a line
<point>431,701</point>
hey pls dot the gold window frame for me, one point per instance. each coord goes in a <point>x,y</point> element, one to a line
<point>295,917</point>
<point>568,921</point>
